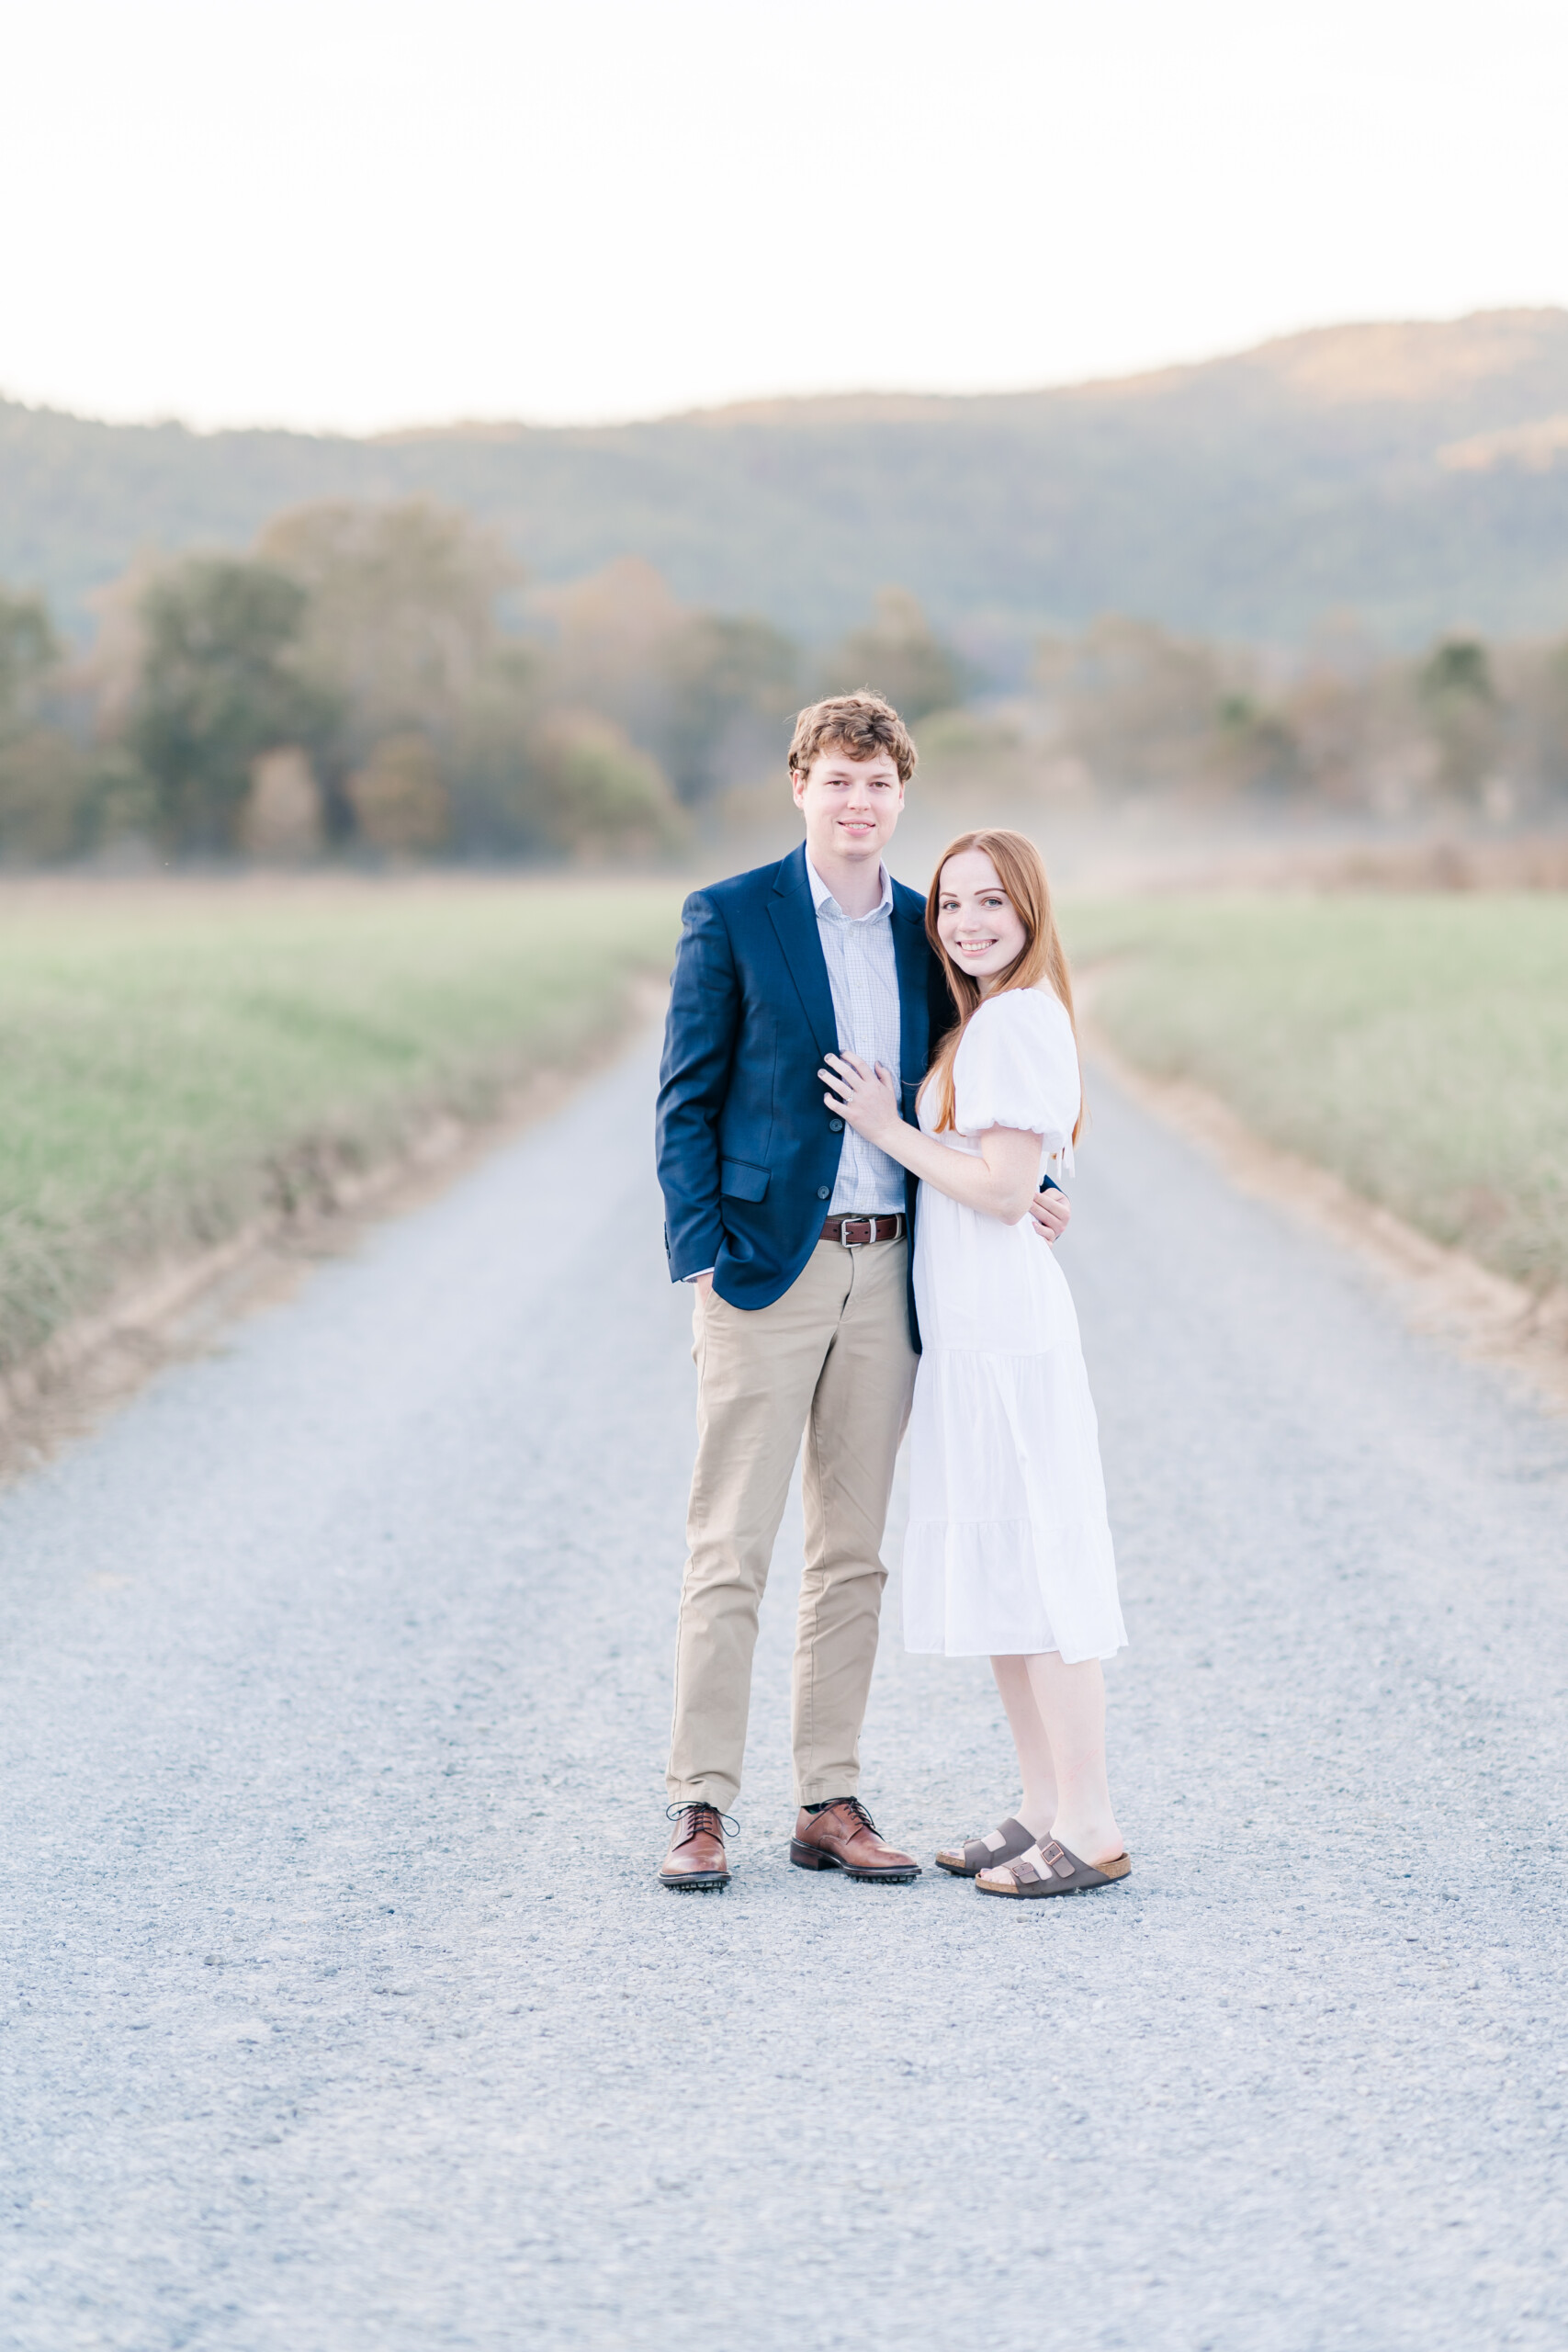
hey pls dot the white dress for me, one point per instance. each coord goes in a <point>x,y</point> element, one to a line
<point>1008,1548</point>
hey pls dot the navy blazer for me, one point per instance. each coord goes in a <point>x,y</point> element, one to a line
<point>748,1150</point>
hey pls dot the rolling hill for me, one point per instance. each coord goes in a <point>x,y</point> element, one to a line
<point>1416,474</point>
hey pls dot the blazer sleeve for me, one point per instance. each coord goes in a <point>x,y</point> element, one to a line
<point>694,1079</point>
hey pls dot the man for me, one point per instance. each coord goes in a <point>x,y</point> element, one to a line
<point>794,1234</point>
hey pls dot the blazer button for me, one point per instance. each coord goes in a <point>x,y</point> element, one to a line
<point>824,1192</point>
<point>837,1126</point>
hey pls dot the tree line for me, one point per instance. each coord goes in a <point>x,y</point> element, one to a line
<point>1126,706</point>
<point>376,680</point>
<point>367,679</point>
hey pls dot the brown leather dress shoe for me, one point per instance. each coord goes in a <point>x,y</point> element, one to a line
<point>842,1837</point>
<point>697,1857</point>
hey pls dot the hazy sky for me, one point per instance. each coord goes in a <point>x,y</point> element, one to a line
<point>358,213</point>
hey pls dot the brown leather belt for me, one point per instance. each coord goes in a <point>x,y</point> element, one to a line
<point>854,1232</point>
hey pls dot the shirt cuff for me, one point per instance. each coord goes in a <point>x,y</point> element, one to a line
<point>698,1275</point>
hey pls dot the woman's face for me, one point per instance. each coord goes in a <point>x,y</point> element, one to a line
<point>975,921</point>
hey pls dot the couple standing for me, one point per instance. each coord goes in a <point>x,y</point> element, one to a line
<point>816,1088</point>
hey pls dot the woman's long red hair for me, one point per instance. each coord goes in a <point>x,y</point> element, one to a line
<point>1021,870</point>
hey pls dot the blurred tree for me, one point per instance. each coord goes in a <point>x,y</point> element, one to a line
<point>615,651</point>
<point>281,821</point>
<point>1332,717</point>
<point>219,682</point>
<point>1137,704</point>
<point>1253,748</point>
<point>41,769</point>
<point>1458,666</point>
<point>602,796</point>
<point>1539,709</point>
<point>735,687</point>
<point>706,695</point>
<point>1455,689</point>
<point>41,796</point>
<point>1553,723</point>
<point>120,805</point>
<point>900,656</point>
<point>28,652</point>
<point>399,799</point>
<point>401,613</point>
<point>109,673</point>
<point>501,797</point>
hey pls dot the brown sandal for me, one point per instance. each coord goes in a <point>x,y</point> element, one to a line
<point>979,1854</point>
<point>1062,1873</point>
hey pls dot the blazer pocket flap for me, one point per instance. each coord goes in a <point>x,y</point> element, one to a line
<point>741,1180</point>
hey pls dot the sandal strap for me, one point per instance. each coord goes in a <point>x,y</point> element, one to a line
<point>1015,1838</point>
<point>1067,1865</point>
<point>1063,1872</point>
<point>1057,1864</point>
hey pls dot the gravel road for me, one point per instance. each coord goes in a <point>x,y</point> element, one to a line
<point>343,2013</point>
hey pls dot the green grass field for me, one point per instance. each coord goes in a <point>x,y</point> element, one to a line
<point>175,1058</point>
<point>1418,1046</point>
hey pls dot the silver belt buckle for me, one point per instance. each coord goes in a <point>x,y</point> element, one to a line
<point>844,1225</point>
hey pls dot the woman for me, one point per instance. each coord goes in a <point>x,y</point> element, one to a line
<point>1009,1552</point>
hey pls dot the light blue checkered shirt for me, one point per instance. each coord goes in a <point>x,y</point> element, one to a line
<point>862,973</point>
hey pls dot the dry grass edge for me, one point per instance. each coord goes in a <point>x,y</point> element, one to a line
<point>177,1306</point>
<point>1442,1292</point>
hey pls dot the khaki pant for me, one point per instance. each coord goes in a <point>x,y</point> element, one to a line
<point>832,1356</point>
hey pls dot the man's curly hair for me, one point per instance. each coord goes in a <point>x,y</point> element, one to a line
<point>861,725</point>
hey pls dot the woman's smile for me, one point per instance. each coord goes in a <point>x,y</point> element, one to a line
<point>977,922</point>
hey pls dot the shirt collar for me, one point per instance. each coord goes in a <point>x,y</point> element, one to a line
<point>823,896</point>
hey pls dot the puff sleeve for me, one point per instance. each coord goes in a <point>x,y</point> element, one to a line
<point>1018,1067</point>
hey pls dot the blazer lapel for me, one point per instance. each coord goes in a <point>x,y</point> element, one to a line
<point>912,956</point>
<point>793,914</point>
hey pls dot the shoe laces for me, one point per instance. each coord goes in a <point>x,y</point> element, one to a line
<point>857,1812</point>
<point>696,1818</point>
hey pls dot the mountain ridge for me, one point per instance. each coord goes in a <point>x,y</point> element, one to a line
<point>1415,473</point>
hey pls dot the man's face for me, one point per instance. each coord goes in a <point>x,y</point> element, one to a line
<point>850,806</point>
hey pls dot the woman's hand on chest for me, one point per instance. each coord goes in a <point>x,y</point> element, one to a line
<point>865,1097</point>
